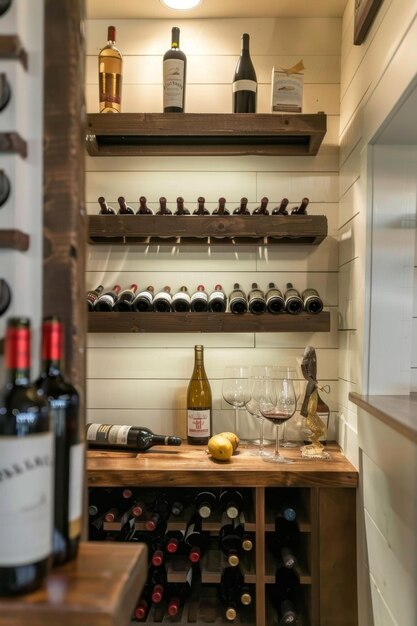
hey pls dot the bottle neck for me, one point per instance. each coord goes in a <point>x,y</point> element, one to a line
<point>199,371</point>
<point>175,38</point>
<point>245,44</point>
<point>52,342</point>
<point>17,355</point>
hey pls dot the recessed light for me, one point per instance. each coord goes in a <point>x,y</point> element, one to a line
<point>181,5</point>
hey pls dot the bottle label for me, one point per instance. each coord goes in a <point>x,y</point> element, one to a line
<point>107,298</point>
<point>110,87</point>
<point>217,295</point>
<point>26,497</point>
<point>145,294</point>
<point>198,421</point>
<point>108,433</point>
<point>199,295</point>
<point>244,85</point>
<point>163,295</point>
<point>75,503</point>
<point>173,83</point>
<point>181,295</point>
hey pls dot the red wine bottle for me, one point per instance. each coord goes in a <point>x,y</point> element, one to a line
<point>217,301</point>
<point>256,300</point>
<point>105,209</point>
<point>238,303</point>
<point>162,302</point>
<point>124,208</point>
<point>312,301</point>
<point>228,590</point>
<point>244,81</point>
<point>64,407</point>
<point>178,593</point>
<point>163,209</point>
<point>181,301</point>
<point>181,209</point>
<point>107,300</point>
<point>125,300</point>
<point>26,452</point>
<point>143,207</point>
<point>261,209</point>
<point>143,301</point>
<point>293,301</point>
<point>199,300</point>
<point>275,302</point>
<point>221,209</point>
<point>195,539</point>
<point>302,209</point>
<point>282,208</point>
<point>174,75</point>
<point>201,209</point>
<point>174,540</point>
<point>242,209</point>
<point>92,297</point>
<point>106,436</point>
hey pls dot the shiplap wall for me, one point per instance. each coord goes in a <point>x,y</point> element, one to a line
<point>374,77</point>
<point>143,378</point>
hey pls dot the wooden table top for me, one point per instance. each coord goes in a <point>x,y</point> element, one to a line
<point>99,588</point>
<point>190,466</point>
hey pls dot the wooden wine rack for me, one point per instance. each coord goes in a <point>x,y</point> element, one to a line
<point>325,493</point>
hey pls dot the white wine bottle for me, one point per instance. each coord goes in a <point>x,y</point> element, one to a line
<point>110,68</point>
<point>244,82</point>
<point>199,406</point>
<point>174,70</point>
<point>114,436</point>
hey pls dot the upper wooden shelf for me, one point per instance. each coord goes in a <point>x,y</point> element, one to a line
<point>168,134</point>
<point>15,239</point>
<point>210,229</point>
<point>11,48</point>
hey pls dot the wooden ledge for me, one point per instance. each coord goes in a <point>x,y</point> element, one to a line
<point>398,412</point>
<point>11,48</point>
<point>14,239</point>
<point>12,143</point>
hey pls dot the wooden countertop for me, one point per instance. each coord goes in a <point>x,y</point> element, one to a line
<point>99,588</point>
<point>398,412</point>
<point>190,466</point>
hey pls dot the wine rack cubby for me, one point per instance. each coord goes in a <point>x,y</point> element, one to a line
<point>322,493</point>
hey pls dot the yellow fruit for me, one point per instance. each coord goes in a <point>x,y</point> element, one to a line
<point>234,439</point>
<point>220,448</point>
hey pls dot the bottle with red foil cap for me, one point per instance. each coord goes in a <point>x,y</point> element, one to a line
<point>107,300</point>
<point>143,605</point>
<point>199,300</point>
<point>63,401</point>
<point>174,540</point>
<point>178,593</point>
<point>195,539</point>
<point>125,299</point>
<point>157,577</point>
<point>26,452</point>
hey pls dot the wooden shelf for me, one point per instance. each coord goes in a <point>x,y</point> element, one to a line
<point>11,48</point>
<point>14,239</point>
<point>168,134</point>
<point>210,229</point>
<point>12,143</point>
<point>101,586</point>
<point>126,322</point>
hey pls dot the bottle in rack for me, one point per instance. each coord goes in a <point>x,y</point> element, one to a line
<point>105,209</point>
<point>242,209</point>
<point>282,208</point>
<point>230,541</point>
<point>221,209</point>
<point>229,590</point>
<point>195,539</point>
<point>110,71</point>
<point>312,301</point>
<point>244,81</point>
<point>178,594</point>
<point>261,209</point>
<point>284,595</point>
<point>275,302</point>
<point>174,540</point>
<point>256,300</point>
<point>92,297</point>
<point>217,301</point>
<point>206,501</point>
<point>302,209</point>
<point>181,209</point>
<point>143,207</point>
<point>105,436</point>
<point>107,300</point>
<point>199,405</point>
<point>199,300</point>
<point>284,542</point>
<point>162,302</point>
<point>238,303</point>
<point>163,209</point>
<point>231,502</point>
<point>26,452</point>
<point>201,209</point>
<point>124,208</point>
<point>143,300</point>
<point>174,75</point>
<point>125,300</point>
<point>181,301</point>
<point>63,402</point>
<point>293,300</point>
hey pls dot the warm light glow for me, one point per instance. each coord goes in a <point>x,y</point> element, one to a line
<point>181,5</point>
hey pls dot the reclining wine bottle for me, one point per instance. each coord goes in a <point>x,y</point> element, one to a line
<point>107,436</point>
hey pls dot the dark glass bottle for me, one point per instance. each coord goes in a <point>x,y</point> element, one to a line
<point>106,436</point>
<point>230,540</point>
<point>105,209</point>
<point>107,300</point>
<point>174,75</point>
<point>5,186</point>
<point>285,595</point>
<point>199,300</point>
<point>124,208</point>
<point>125,300</point>
<point>26,452</point>
<point>284,542</point>
<point>244,81</point>
<point>312,301</point>
<point>173,540</point>
<point>163,209</point>
<point>4,6</point>
<point>181,301</point>
<point>275,302</point>
<point>178,593</point>
<point>282,208</point>
<point>92,297</point>
<point>238,303</point>
<point>217,300</point>
<point>143,207</point>
<point>195,539</point>
<point>242,209</point>
<point>64,406</point>
<point>221,209</point>
<point>293,300</point>
<point>201,209</point>
<point>143,301</point>
<point>181,209</point>
<point>231,501</point>
<point>302,209</point>
<point>199,402</point>
<point>261,209</point>
<point>256,300</point>
<point>206,501</point>
<point>162,302</point>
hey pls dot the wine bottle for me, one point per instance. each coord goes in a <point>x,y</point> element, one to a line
<point>195,539</point>
<point>231,501</point>
<point>287,511</point>
<point>282,208</point>
<point>124,208</point>
<point>173,540</point>
<point>293,300</point>
<point>302,209</point>
<point>201,209</point>
<point>107,300</point>
<point>242,209</point>
<point>261,209</point>
<point>125,300</point>
<point>181,209</point>
<point>221,209</point>
<point>275,302</point>
<point>105,209</point>
<point>206,501</point>
<point>181,301</point>
<point>256,300</point>
<point>217,301</point>
<point>64,406</point>
<point>4,6</point>
<point>230,541</point>
<point>287,614</point>
<point>238,303</point>
<point>174,75</point>
<point>244,81</point>
<point>26,452</point>
<point>284,542</point>
<point>163,209</point>
<point>144,300</point>
<point>247,541</point>
<point>143,605</point>
<point>199,417</point>
<point>110,70</point>
<point>92,297</point>
<point>143,207</point>
<point>228,591</point>
<point>157,578</point>
<point>106,436</point>
<point>5,92</point>
<point>178,593</point>
<point>312,301</point>
<point>162,302</point>
<point>286,588</point>
<point>199,300</point>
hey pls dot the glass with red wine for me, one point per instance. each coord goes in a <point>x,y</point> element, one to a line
<point>278,405</point>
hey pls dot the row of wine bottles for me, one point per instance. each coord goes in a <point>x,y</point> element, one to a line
<point>255,301</point>
<point>174,63</point>
<point>42,456</point>
<point>242,209</point>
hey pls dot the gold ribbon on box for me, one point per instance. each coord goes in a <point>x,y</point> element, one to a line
<point>295,69</point>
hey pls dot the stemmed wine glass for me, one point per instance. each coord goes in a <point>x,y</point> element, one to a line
<point>278,406</point>
<point>234,389</point>
<point>289,372</point>
<point>255,393</point>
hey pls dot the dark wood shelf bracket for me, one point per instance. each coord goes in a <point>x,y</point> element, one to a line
<point>14,239</point>
<point>12,143</point>
<point>11,48</point>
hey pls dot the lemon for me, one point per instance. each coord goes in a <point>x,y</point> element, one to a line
<point>234,439</point>
<point>220,448</point>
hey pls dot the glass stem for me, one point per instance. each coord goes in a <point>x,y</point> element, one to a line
<point>277,441</point>
<point>261,437</point>
<point>236,419</point>
<point>283,439</point>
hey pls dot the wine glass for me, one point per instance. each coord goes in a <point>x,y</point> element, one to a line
<point>278,406</point>
<point>289,372</point>
<point>234,388</point>
<point>255,393</point>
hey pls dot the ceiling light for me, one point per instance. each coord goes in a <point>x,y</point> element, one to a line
<point>181,5</point>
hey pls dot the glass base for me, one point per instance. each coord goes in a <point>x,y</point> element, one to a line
<point>262,453</point>
<point>277,459</point>
<point>257,442</point>
<point>289,444</point>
